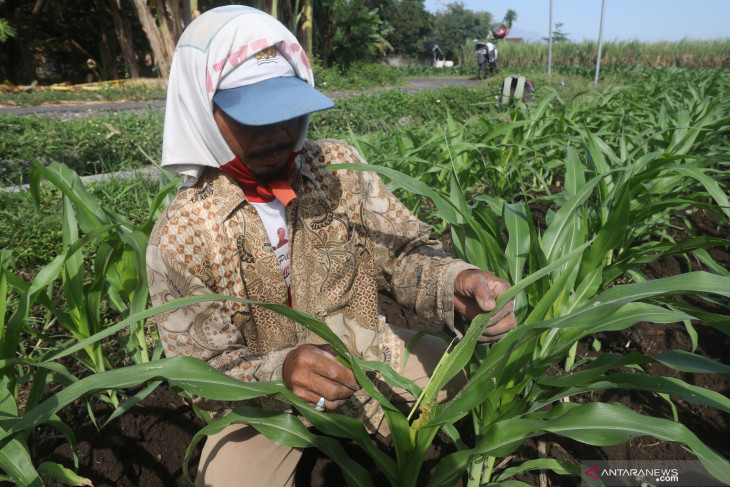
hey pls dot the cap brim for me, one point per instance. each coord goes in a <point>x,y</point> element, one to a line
<point>271,101</point>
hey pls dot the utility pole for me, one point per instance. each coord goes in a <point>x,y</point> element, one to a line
<point>550,37</point>
<point>600,43</point>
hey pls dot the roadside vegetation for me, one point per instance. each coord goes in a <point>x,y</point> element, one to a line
<point>609,167</point>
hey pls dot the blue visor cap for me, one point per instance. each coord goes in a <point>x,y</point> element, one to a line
<point>271,101</point>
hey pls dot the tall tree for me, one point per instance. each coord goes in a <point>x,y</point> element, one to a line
<point>162,24</point>
<point>455,26</point>
<point>509,19</point>
<point>25,19</point>
<point>123,31</point>
<point>411,25</point>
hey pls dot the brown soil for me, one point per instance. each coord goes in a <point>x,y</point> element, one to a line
<point>145,447</point>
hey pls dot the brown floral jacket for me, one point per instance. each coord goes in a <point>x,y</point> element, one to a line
<point>350,237</point>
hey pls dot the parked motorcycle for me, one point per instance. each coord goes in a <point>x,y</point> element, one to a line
<point>486,52</point>
<point>486,58</point>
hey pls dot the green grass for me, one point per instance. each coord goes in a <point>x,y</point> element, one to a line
<point>359,76</point>
<point>89,145</point>
<point>34,233</point>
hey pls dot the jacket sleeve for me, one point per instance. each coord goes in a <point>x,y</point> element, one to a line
<point>409,264</point>
<point>204,330</point>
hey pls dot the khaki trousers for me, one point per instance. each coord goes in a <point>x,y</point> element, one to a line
<point>240,456</point>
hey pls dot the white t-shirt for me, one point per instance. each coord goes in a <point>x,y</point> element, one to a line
<point>273,216</point>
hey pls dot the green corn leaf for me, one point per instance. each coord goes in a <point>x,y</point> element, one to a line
<point>676,359</point>
<point>15,461</point>
<point>487,220</point>
<point>609,237</point>
<point>456,360</point>
<point>541,309</point>
<point>15,458</point>
<point>594,424</point>
<point>3,299</point>
<point>286,429</point>
<point>445,207</point>
<point>717,321</point>
<point>70,184</point>
<point>603,312</point>
<point>574,172</point>
<point>563,221</point>
<point>657,384</point>
<point>391,376</point>
<point>586,289</point>
<point>710,185</point>
<point>556,466</point>
<point>515,218</point>
<point>346,427</point>
<point>190,374</point>
<point>73,280</point>
<point>688,362</point>
<point>157,202</point>
<point>15,323</point>
<point>68,433</point>
<point>644,254</point>
<point>132,401</point>
<point>62,474</point>
<point>709,262</point>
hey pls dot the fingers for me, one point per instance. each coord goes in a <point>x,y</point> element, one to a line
<point>476,292</point>
<point>312,372</point>
<point>503,321</point>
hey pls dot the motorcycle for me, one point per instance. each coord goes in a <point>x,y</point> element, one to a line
<point>486,59</point>
<point>486,52</point>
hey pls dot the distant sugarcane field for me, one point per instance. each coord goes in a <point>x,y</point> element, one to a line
<point>605,207</point>
<point>687,54</point>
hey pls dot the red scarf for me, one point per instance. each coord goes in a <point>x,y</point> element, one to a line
<point>279,188</point>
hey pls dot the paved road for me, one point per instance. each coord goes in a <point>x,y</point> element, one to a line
<point>71,111</point>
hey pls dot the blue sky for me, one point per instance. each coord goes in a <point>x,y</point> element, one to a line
<point>645,20</point>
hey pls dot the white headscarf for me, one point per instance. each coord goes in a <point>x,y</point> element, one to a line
<point>210,48</point>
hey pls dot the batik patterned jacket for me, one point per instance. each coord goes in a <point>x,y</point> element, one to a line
<point>349,237</point>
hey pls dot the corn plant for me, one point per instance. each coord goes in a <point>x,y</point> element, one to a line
<point>15,459</point>
<point>28,339</point>
<point>502,371</point>
<point>598,424</point>
<point>120,271</point>
<point>601,228</point>
<point>619,183</point>
<point>566,268</point>
<point>506,392</point>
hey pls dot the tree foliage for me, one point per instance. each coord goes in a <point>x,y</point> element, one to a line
<point>84,40</point>
<point>359,32</point>
<point>558,34</point>
<point>411,26</point>
<point>455,26</point>
<point>70,40</point>
<point>6,30</point>
<point>509,18</point>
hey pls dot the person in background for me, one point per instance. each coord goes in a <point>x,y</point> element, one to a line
<point>240,95</point>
